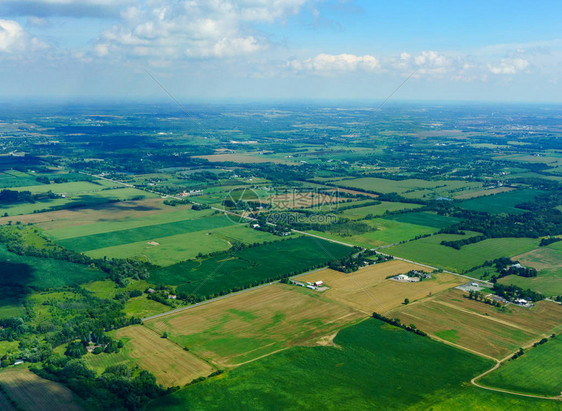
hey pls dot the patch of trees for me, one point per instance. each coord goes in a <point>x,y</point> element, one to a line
<point>12,196</point>
<point>513,292</point>
<point>479,296</point>
<point>397,323</point>
<point>549,240</point>
<point>354,262</point>
<point>119,387</point>
<point>173,202</point>
<point>457,244</point>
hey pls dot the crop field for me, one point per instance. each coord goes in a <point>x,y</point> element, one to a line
<point>371,366</point>
<point>480,327</point>
<point>385,232</point>
<point>13,178</point>
<point>31,392</point>
<point>76,187</point>
<point>537,372</point>
<point>429,251</point>
<point>425,219</point>
<point>170,364</point>
<point>243,158</point>
<point>377,210</point>
<point>503,202</point>
<point>142,307</point>
<point>145,233</point>
<point>108,212</point>
<point>368,290</point>
<point>254,324</point>
<point>224,272</point>
<point>176,248</point>
<point>411,188</point>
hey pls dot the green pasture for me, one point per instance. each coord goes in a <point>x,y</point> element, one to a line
<point>376,210</point>
<point>429,251</point>
<point>425,219</point>
<point>502,202</point>
<point>537,372</point>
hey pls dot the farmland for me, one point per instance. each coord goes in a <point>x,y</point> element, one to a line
<point>502,202</point>
<point>224,272</point>
<point>430,251</point>
<point>479,327</point>
<point>537,372</point>
<point>31,392</point>
<point>170,364</point>
<point>345,376</point>
<point>377,210</point>
<point>256,323</point>
<point>368,289</point>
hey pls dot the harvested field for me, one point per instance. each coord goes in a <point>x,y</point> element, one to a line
<point>256,323</point>
<point>94,214</point>
<point>474,194</point>
<point>170,364</point>
<point>478,326</point>
<point>368,289</point>
<point>32,392</point>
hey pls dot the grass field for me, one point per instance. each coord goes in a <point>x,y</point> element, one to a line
<point>384,232</point>
<point>502,203</point>
<point>170,364</point>
<point>372,366</point>
<point>223,272</point>
<point>259,322</point>
<point>537,372</point>
<point>488,192</point>
<point>172,249</point>
<point>479,327</point>
<point>368,290</point>
<point>31,392</point>
<point>377,210</point>
<point>146,233</point>
<point>548,262</point>
<point>425,219</point>
<point>411,188</point>
<point>429,251</point>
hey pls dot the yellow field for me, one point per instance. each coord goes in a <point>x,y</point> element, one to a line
<point>478,326</point>
<point>31,392</point>
<point>103,212</point>
<point>302,200</point>
<point>256,323</point>
<point>368,290</point>
<point>170,364</point>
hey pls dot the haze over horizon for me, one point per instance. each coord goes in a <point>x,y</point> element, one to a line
<point>206,50</point>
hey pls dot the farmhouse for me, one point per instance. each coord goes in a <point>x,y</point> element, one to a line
<point>402,277</point>
<point>318,283</point>
<point>172,297</point>
<point>310,286</point>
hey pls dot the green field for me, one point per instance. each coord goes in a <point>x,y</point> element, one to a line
<point>146,233</point>
<point>430,251</point>
<point>425,219</point>
<point>384,232</point>
<point>175,248</point>
<point>377,210</point>
<point>374,366</point>
<point>226,271</point>
<point>411,188</point>
<point>502,203</point>
<point>537,372</point>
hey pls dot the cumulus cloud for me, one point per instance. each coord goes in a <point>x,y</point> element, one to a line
<point>194,28</point>
<point>327,64</point>
<point>14,39</point>
<point>67,8</point>
<point>509,66</point>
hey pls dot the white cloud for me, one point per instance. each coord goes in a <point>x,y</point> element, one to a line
<point>509,66</point>
<point>68,8</point>
<point>328,64</point>
<point>194,28</point>
<point>14,39</point>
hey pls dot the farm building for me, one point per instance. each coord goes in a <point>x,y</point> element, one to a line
<point>319,283</point>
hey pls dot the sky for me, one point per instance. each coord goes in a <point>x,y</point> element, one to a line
<point>254,50</point>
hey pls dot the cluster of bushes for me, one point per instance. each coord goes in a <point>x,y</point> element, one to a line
<point>512,292</point>
<point>173,202</point>
<point>12,196</point>
<point>354,262</point>
<point>549,240</point>
<point>479,296</point>
<point>397,323</point>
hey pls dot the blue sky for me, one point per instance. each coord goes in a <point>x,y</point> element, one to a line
<point>281,49</point>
